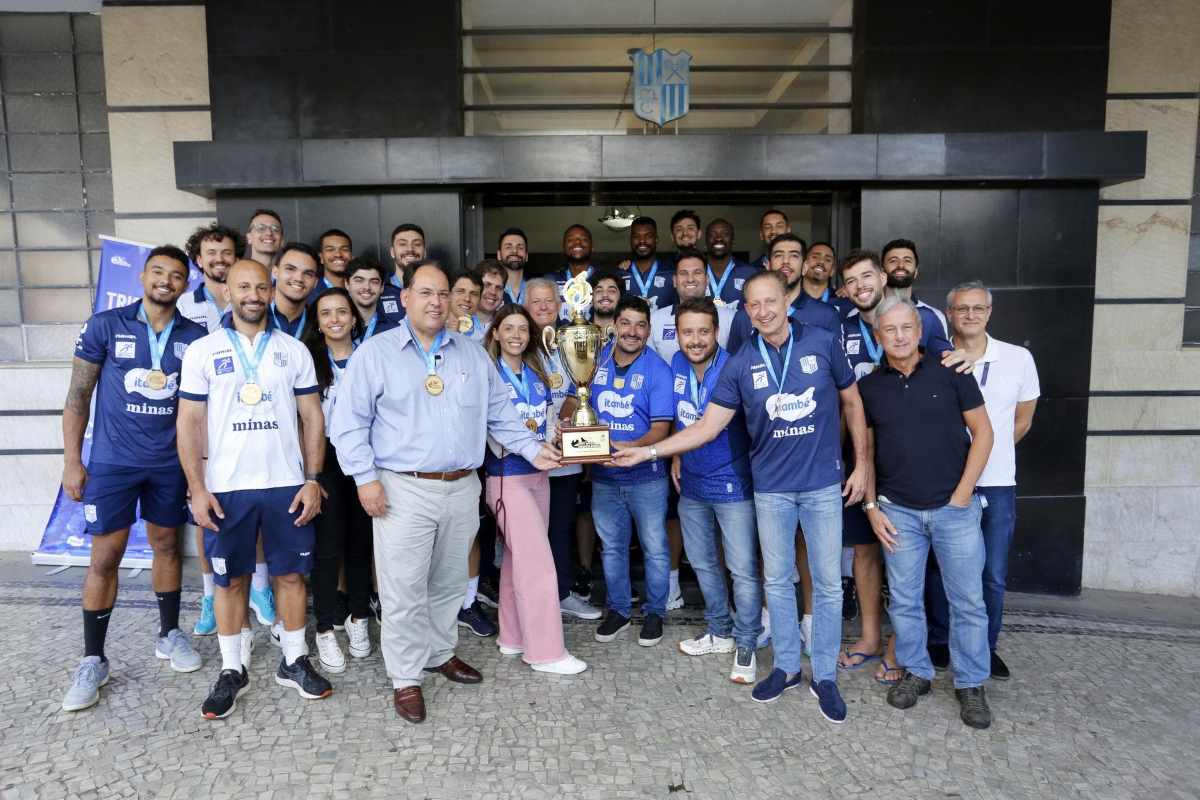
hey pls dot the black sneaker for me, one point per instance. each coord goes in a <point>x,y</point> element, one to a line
<point>343,611</point>
<point>488,593</point>
<point>583,583</point>
<point>652,631</point>
<point>905,693</point>
<point>303,678</point>
<point>973,707</point>
<point>939,654</point>
<point>376,608</point>
<point>611,627</point>
<point>999,668</point>
<point>474,620</point>
<point>223,698</point>
<point>849,600</point>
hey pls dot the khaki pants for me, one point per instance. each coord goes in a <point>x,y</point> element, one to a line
<point>421,549</point>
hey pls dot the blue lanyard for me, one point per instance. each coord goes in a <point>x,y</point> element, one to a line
<point>337,371</point>
<point>986,366</point>
<point>875,351</point>
<point>825,295</point>
<point>249,368</point>
<point>568,277</point>
<point>519,299</point>
<point>787,357</point>
<point>284,326</point>
<point>325,280</point>
<point>370,327</point>
<point>644,286</point>
<point>428,355</point>
<point>395,281</point>
<point>209,296</point>
<point>694,385</point>
<point>157,341</point>
<point>518,382</point>
<point>714,287</point>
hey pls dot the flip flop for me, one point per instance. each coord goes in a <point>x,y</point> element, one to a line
<point>866,659</point>
<point>886,669</point>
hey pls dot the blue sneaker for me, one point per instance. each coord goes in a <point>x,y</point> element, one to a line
<point>774,685</point>
<point>85,687</point>
<point>474,620</point>
<point>262,603</point>
<point>829,700</point>
<point>206,623</point>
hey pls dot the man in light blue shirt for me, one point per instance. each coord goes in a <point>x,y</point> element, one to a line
<point>413,412</point>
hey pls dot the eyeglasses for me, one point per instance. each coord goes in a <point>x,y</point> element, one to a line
<point>977,311</point>
<point>262,227</point>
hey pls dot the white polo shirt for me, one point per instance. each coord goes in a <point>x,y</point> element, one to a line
<point>1006,376</point>
<point>249,447</point>
<point>196,306</point>
<point>662,330</point>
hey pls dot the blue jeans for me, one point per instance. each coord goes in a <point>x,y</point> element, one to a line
<point>819,513</point>
<point>957,542</point>
<point>614,506</point>
<point>739,535</point>
<point>998,521</point>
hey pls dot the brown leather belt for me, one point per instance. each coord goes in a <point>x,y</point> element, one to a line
<point>457,474</point>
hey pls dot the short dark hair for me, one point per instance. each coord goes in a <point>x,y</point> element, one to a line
<point>300,247</point>
<point>213,233</point>
<point>644,221</point>
<point>632,301</point>
<point>610,274</point>
<point>172,252</point>
<point>859,254</point>
<point>471,275</point>
<point>771,211</point>
<point>259,212</point>
<point>766,275</point>
<point>787,237</point>
<point>365,263</point>
<point>896,244</point>
<point>718,221</point>
<point>412,268</point>
<point>333,232</point>
<point>512,232</point>
<point>685,213</point>
<point>490,265</point>
<point>690,252</point>
<point>406,226</point>
<point>699,305</point>
<point>821,243</point>
<point>581,227</point>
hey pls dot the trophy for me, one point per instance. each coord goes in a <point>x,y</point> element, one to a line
<point>578,344</point>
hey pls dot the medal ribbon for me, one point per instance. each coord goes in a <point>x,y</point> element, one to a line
<point>428,355</point>
<point>337,371</point>
<point>518,382</point>
<point>714,287</point>
<point>787,357</point>
<point>874,350</point>
<point>644,286</point>
<point>249,368</point>
<point>157,341</point>
<point>694,385</point>
<point>395,281</point>
<point>825,295</point>
<point>284,325</point>
<point>370,327</point>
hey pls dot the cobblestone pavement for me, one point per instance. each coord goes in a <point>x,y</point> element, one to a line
<point>1104,704</point>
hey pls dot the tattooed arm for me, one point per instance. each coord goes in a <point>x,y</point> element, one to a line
<point>84,375</point>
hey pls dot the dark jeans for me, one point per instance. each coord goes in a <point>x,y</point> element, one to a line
<point>998,521</point>
<point>563,490</point>
<point>343,534</point>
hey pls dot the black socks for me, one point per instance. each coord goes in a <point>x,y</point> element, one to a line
<point>95,628</point>
<point>168,611</point>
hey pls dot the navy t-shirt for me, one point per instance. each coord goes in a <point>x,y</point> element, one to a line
<point>731,283</point>
<point>803,309</point>
<point>656,286</point>
<point>794,433</point>
<point>534,405</point>
<point>865,352</point>
<point>718,472</point>
<point>628,401</point>
<point>133,425</point>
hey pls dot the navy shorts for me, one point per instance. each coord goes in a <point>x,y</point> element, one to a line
<point>112,494</point>
<point>231,550</point>
<point>856,528</point>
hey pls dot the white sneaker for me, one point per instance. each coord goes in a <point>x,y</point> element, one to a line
<point>511,651</point>
<point>575,606</point>
<point>806,636</point>
<point>567,665</point>
<point>745,667</point>
<point>277,634</point>
<point>675,601</point>
<point>331,655</point>
<point>764,638</point>
<point>706,644</point>
<point>359,636</point>
<point>247,647</point>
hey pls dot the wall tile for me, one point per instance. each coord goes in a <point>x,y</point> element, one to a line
<point>1124,328</point>
<point>29,433</point>
<point>1056,238</point>
<point>1148,369</point>
<point>1153,46</point>
<point>1143,413</point>
<point>53,342</point>
<point>40,153</point>
<point>55,229</point>
<point>162,231</point>
<point>93,112</point>
<point>38,73</point>
<point>56,305</point>
<point>144,160</point>
<point>10,307</point>
<point>42,113</point>
<point>96,151</point>
<point>1141,251</point>
<point>89,71</point>
<point>12,344</point>
<point>54,268</point>
<point>1153,461</point>
<point>1170,149</point>
<point>151,55</point>
<point>33,33</point>
<point>30,388</point>
<point>47,191</point>
<point>8,268</point>
<point>978,236</point>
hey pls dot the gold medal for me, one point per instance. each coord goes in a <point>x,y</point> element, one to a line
<point>465,324</point>
<point>532,425</point>
<point>718,302</point>
<point>434,385</point>
<point>156,379</point>
<point>250,394</point>
<point>618,383</point>
<point>556,380</point>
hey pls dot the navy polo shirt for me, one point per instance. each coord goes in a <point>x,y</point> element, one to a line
<point>656,284</point>
<point>731,283</point>
<point>389,304</point>
<point>921,442</point>
<point>803,309</point>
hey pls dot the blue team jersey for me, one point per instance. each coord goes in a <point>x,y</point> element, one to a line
<point>731,283</point>
<point>865,352</point>
<point>718,472</point>
<point>534,405</point>
<point>133,425</point>
<point>292,327</point>
<point>656,285</point>
<point>803,309</point>
<point>628,401</point>
<point>794,433</point>
<point>841,305</point>
<point>380,323</point>
<point>389,304</point>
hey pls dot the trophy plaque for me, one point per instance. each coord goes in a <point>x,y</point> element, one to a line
<point>584,438</point>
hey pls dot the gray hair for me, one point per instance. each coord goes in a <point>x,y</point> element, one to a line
<point>892,302</point>
<point>968,286</point>
<point>541,283</point>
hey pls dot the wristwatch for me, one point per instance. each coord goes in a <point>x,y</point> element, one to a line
<point>653,451</point>
<point>312,477</point>
<point>869,504</point>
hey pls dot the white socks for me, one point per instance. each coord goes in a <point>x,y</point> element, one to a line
<point>292,643</point>
<point>260,580</point>
<point>231,651</point>
<point>472,592</point>
<point>208,584</point>
<point>674,583</point>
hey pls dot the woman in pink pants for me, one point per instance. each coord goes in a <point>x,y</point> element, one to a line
<point>519,495</point>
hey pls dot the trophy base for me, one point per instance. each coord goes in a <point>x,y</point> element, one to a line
<point>582,444</point>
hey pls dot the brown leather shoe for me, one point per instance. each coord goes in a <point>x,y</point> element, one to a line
<point>409,703</point>
<point>458,671</point>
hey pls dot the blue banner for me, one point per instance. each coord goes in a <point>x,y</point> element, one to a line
<point>65,540</point>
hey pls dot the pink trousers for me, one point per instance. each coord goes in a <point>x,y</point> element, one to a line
<point>529,615</point>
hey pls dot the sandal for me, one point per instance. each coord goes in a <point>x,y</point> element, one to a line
<point>864,658</point>
<point>885,681</point>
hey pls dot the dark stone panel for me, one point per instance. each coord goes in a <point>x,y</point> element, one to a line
<point>42,113</point>
<point>345,94</point>
<point>1057,241</point>
<point>1047,549</point>
<point>550,157</point>
<point>1193,284</point>
<point>31,33</point>
<point>903,156</point>
<point>414,159</point>
<point>720,157</point>
<point>335,160</point>
<point>1025,23</point>
<point>1015,154</point>
<point>357,214</point>
<point>978,237</point>
<point>819,155</point>
<point>251,110</point>
<point>1079,155</point>
<point>1191,325</point>
<point>909,214</point>
<point>43,72</point>
<point>1050,459</point>
<point>235,210</point>
<point>33,152</point>
<point>239,28</point>
<point>470,158</point>
<point>234,164</point>
<point>1056,326</point>
<point>930,22</point>
<point>438,213</point>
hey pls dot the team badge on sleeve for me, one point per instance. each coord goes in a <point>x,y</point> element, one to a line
<point>280,359</point>
<point>636,383</point>
<point>680,382</point>
<point>126,348</point>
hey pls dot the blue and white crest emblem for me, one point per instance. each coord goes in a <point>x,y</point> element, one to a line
<point>660,85</point>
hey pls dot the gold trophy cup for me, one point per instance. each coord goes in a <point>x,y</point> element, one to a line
<point>578,344</point>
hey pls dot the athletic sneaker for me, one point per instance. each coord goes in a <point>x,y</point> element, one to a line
<point>999,668</point>
<point>301,676</point>
<point>707,644</point>
<point>511,651</point>
<point>675,601</point>
<point>614,624</point>
<point>277,634</point>
<point>359,636</point>
<point>906,693</point>
<point>652,631</point>
<point>806,636</point>
<point>745,666</point>
<point>262,603</point>
<point>567,665</point>
<point>206,623</point>
<point>774,685</point>
<point>84,691</point>
<point>829,700</point>
<point>474,620</point>
<point>330,652</point>
<point>575,606</point>
<point>223,698</point>
<point>583,583</point>
<point>974,709</point>
<point>177,648</point>
<point>488,593</point>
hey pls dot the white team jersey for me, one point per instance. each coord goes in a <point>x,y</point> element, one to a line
<point>199,309</point>
<point>249,447</point>
<point>662,330</point>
